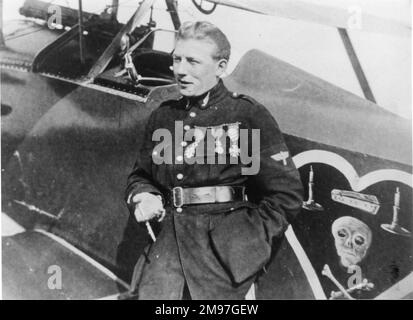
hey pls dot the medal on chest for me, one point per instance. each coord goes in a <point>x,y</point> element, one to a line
<point>219,134</point>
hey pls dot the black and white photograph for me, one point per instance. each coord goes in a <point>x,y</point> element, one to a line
<point>228,150</point>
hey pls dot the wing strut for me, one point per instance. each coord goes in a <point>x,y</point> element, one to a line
<point>355,62</point>
<point>2,43</point>
<point>107,55</point>
<point>82,55</point>
<point>173,11</point>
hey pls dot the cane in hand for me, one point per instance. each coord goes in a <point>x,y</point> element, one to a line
<point>148,225</point>
<point>150,231</point>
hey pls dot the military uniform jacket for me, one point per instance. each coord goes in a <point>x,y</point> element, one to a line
<point>216,249</point>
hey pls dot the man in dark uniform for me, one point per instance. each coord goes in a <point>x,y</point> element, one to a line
<point>219,220</point>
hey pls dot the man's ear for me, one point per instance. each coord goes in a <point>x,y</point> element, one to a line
<point>221,67</point>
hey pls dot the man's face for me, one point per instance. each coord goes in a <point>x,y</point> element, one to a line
<point>195,69</point>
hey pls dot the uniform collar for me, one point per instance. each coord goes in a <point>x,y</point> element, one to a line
<point>205,100</point>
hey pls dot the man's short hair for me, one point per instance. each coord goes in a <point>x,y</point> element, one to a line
<point>203,30</point>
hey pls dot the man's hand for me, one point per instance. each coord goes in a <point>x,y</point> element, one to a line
<point>148,206</point>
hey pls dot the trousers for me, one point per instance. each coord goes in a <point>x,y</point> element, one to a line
<point>183,255</point>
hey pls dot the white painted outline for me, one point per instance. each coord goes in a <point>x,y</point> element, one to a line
<point>399,290</point>
<point>81,254</point>
<point>251,293</point>
<point>305,264</point>
<point>357,183</point>
<point>9,227</point>
<point>110,297</point>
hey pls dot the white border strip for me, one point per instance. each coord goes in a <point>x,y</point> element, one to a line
<point>9,227</point>
<point>111,297</point>
<point>251,293</point>
<point>398,291</point>
<point>305,264</point>
<point>81,254</point>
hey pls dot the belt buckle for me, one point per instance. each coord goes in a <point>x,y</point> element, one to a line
<point>177,196</point>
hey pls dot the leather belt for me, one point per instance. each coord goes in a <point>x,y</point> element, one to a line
<point>203,195</point>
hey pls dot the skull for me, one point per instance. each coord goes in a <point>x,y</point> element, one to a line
<point>352,240</point>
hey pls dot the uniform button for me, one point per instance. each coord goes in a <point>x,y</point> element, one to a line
<point>184,143</point>
<point>192,114</point>
<point>179,158</point>
<point>179,176</point>
<point>187,127</point>
<point>179,210</point>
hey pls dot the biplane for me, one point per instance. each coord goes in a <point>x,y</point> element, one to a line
<point>77,89</point>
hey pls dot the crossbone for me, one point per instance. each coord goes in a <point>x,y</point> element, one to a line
<point>327,272</point>
<point>364,285</point>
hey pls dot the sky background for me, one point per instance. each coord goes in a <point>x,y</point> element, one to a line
<point>315,48</point>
